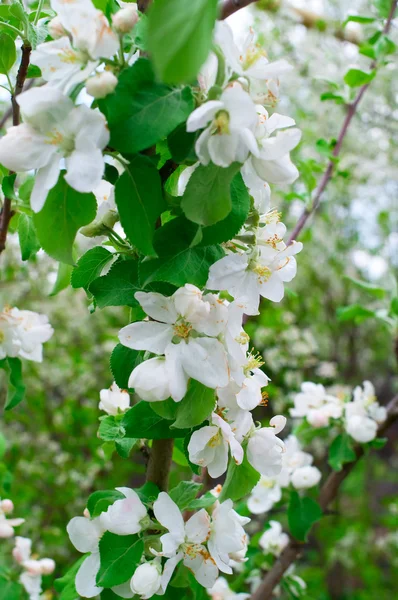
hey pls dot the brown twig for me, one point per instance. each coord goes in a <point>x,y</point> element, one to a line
<point>328,493</point>
<point>160,462</point>
<point>231,6</point>
<point>351,110</point>
<point>6,211</point>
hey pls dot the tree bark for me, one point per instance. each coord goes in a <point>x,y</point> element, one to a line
<point>159,463</point>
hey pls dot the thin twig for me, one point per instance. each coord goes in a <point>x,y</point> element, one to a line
<point>351,110</point>
<point>160,463</point>
<point>232,6</point>
<point>6,211</point>
<point>328,493</point>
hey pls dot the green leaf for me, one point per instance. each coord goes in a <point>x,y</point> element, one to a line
<point>10,590</point>
<point>240,480</point>
<point>66,585</point>
<point>63,278</point>
<point>16,389</point>
<point>371,288</point>
<point>89,266</point>
<point>207,198</point>
<point>124,446</point>
<point>204,501</point>
<point>27,236</point>
<point>110,429</point>
<point>338,98</point>
<point>184,493</point>
<point>358,19</point>
<point>167,409</point>
<point>341,451</point>
<point>394,306</point>
<point>356,77</point>
<point>64,212</point>
<point>118,286</point>
<point>7,185</point>
<point>33,72</point>
<point>383,7</point>
<point>180,37</point>
<point>302,513</point>
<point>140,202</point>
<point>148,492</point>
<point>3,445</point>
<point>142,111</point>
<point>227,228</point>
<point>354,312</point>
<point>120,555</point>
<point>99,502</point>
<point>196,406</point>
<point>122,362</point>
<point>181,144</point>
<point>378,443</point>
<point>142,422</point>
<point>8,52</point>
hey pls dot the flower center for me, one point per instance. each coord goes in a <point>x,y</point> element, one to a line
<point>221,122</point>
<point>243,338</point>
<point>254,361</point>
<point>182,330</point>
<point>69,56</point>
<point>253,53</point>
<point>215,440</point>
<point>193,550</point>
<point>264,273</point>
<point>2,336</point>
<point>57,138</point>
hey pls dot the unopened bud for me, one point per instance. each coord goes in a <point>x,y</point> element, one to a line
<point>86,513</point>
<point>146,579</point>
<point>47,566</point>
<point>7,506</point>
<point>125,19</point>
<point>101,84</point>
<point>55,28</point>
<point>101,226</point>
<point>33,567</point>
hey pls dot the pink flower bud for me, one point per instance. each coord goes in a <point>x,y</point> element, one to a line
<point>7,506</point>
<point>47,566</point>
<point>101,84</point>
<point>86,513</point>
<point>33,567</point>
<point>125,19</point>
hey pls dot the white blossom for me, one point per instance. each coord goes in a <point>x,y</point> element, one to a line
<point>55,128</point>
<point>293,458</point>
<point>185,331</point>
<point>146,580</point>
<point>265,449</point>
<point>306,477</point>
<point>125,18</point>
<point>314,403</point>
<point>228,540</point>
<point>114,400</point>
<point>364,414</point>
<point>124,517</point>
<point>228,128</point>
<point>274,540</point>
<point>209,445</point>
<point>184,541</point>
<point>264,495</point>
<point>23,333</point>
<point>85,535</point>
<point>7,525</point>
<point>222,591</point>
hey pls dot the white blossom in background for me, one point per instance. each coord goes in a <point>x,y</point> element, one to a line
<point>316,405</point>
<point>7,525</point>
<point>364,414</point>
<point>228,540</point>
<point>114,400</point>
<point>33,568</point>
<point>292,459</point>
<point>265,449</point>
<point>146,581</point>
<point>222,591</point>
<point>274,540</point>
<point>23,333</point>
<point>306,477</point>
<point>264,495</point>
<point>228,128</point>
<point>55,128</point>
<point>184,541</point>
<point>185,332</point>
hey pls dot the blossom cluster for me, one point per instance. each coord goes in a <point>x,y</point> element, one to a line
<point>33,568</point>
<point>205,543</point>
<point>360,416</point>
<point>23,333</point>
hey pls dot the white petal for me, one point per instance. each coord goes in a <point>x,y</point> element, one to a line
<point>44,106</point>
<point>159,307</point>
<point>45,180</point>
<point>204,569</point>
<point>123,516</point>
<point>201,147</point>
<point>273,289</point>
<point>146,335</point>
<point>84,169</point>
<point>277,146</point>
<point>197,528</point>
<point>201,116</point>
<point>228,273</point>
<point>281,171</point>
<point>250,395</point>
<point>168,514</point>
<point>224,38</point>
<point>85,578</point>
<point>151,380</point>
<point>168,571</point>
<point>84,533</point>
<point>123,590</point>
<point>277,121</point>
<point>178,379</point>
<point>223,148</point>
<point>23,149</point>
<point>205,360</point>
<point>241,108</point>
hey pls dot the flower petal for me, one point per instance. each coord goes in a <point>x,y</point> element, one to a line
<point>158,307</point>
<point>85,581</point>
<point>146,335</point>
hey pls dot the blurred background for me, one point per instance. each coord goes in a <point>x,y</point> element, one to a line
<point>328,329</point>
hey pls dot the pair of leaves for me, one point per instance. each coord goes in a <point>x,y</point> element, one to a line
<point>196,406</point>
<point>185,496</point>
<point>142,111</point>
<point>110,430</point>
